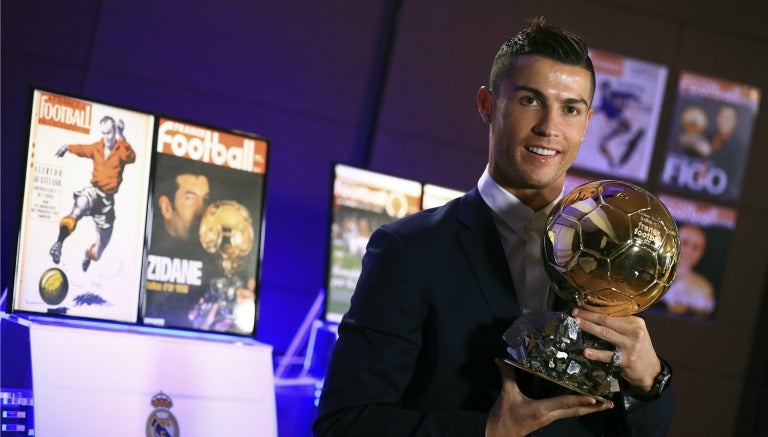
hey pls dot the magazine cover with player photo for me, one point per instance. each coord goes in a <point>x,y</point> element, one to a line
<point>362,201</point>
<point>627,104</point>
<point>435,195</point>
<point>710,137</point>
<point>84,209</point>
<point>705,232</point>
<point>205,236</point>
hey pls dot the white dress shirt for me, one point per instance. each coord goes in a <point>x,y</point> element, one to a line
<point>521,230</point>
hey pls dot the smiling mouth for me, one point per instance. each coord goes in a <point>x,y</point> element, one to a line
<point>540,151</point>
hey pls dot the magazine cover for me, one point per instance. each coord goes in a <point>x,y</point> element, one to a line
<point>436,195</point>
<point>709,140</point>
<point>206,230</point>
<point>621,135</point>
<point>363,200</point>
<point>705,232</point>
<point>84,210</point>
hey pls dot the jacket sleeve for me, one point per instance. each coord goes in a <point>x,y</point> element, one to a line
<point>375,357</point>
<point>651,418</point>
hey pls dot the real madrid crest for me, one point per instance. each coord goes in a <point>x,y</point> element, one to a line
<point>161,422</point>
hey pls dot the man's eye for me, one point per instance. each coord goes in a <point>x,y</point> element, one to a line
<point>528,100</point>
<point>572,110</point>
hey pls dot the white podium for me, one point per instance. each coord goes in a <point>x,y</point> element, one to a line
<point>94,382</point>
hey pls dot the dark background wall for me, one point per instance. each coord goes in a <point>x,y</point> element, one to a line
<point>317,79</point>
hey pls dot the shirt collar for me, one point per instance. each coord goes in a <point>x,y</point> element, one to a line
<point>510,209</point>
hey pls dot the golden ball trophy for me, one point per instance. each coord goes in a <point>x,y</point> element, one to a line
<point>609,247</point>
<point>226,230</point>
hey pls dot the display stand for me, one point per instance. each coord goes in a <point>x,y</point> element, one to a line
<point>315,338</point>
<point>16,401</point>
<point>98,379</point>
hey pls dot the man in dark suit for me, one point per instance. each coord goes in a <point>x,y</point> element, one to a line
<point>418,351</point>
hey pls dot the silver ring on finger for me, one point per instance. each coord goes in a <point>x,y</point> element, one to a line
<point>616,360</point>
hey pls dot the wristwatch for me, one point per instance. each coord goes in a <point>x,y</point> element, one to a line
<point>660,382</point>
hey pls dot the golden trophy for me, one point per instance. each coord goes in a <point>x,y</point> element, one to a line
<point>609,247</point>
<point>226,230</point>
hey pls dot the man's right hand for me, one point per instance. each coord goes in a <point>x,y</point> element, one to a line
<point>62,150</point>
<point>514,414</point>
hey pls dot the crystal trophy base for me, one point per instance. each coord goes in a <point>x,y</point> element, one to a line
<point>550,345</point>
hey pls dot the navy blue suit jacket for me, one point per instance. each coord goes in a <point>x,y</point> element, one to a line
<point>415,354</point>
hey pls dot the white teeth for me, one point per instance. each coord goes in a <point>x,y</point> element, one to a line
<point>541,151</point>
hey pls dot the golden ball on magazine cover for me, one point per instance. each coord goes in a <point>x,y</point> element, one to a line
<point>53,286</point>
<point>227,230</point>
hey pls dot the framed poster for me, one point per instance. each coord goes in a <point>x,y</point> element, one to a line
<point>705,232</point>
<point>362,200</point>
<point>709,140</point>
<point>436,195</point>
<point>203,263</point>
<point>621,135</point>
<point>84,209</point>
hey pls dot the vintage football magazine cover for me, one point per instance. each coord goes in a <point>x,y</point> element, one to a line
<point>710,137</point>
<point>84,209</point>
<point>622,132</point>
<point>362,201</point>
<point>436,195</point>
<point>705,232</point>
<point>206,230</point>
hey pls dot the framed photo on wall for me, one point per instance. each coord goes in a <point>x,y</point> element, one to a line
<point>710,136</point>
<point>205,236</point>
<point>621,136</point>
<point>84,209</point>
<point>362,200</point>
<point>705,232</point>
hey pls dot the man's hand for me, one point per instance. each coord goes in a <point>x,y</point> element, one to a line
<point>119,127</point>
<point>639,362</point>
<point>514,414</point>
<point>62,150</point>
<point>246,294</point>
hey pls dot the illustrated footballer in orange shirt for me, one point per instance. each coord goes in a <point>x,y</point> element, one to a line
<point>110,155</point>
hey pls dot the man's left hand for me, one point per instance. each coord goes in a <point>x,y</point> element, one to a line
<point>639,363</point>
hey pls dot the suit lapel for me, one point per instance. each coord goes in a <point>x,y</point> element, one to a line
<point>482,247</point>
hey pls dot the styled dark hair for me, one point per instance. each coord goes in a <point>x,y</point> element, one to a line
<point>544,40</point>
<point>166,182</point>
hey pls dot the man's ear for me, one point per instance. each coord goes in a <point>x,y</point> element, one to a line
<point>166,208</point>
<point>485,103</point>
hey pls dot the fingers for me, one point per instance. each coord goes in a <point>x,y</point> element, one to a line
<point>507,372</point>
<point>576,405</point>
<point>605,356</point>
<point>639,363</point>
<point>611,329</point>
<point>508,378</point>
<point>526,417</point>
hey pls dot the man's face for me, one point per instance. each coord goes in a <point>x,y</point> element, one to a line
<point>537,121</point>
<point>108,133</point>
<point>727,120</point>
<point>189,202</point>
<point>693,241</point>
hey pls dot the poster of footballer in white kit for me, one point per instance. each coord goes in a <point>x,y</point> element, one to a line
<point>621,135</point>
<point>84,209</point>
